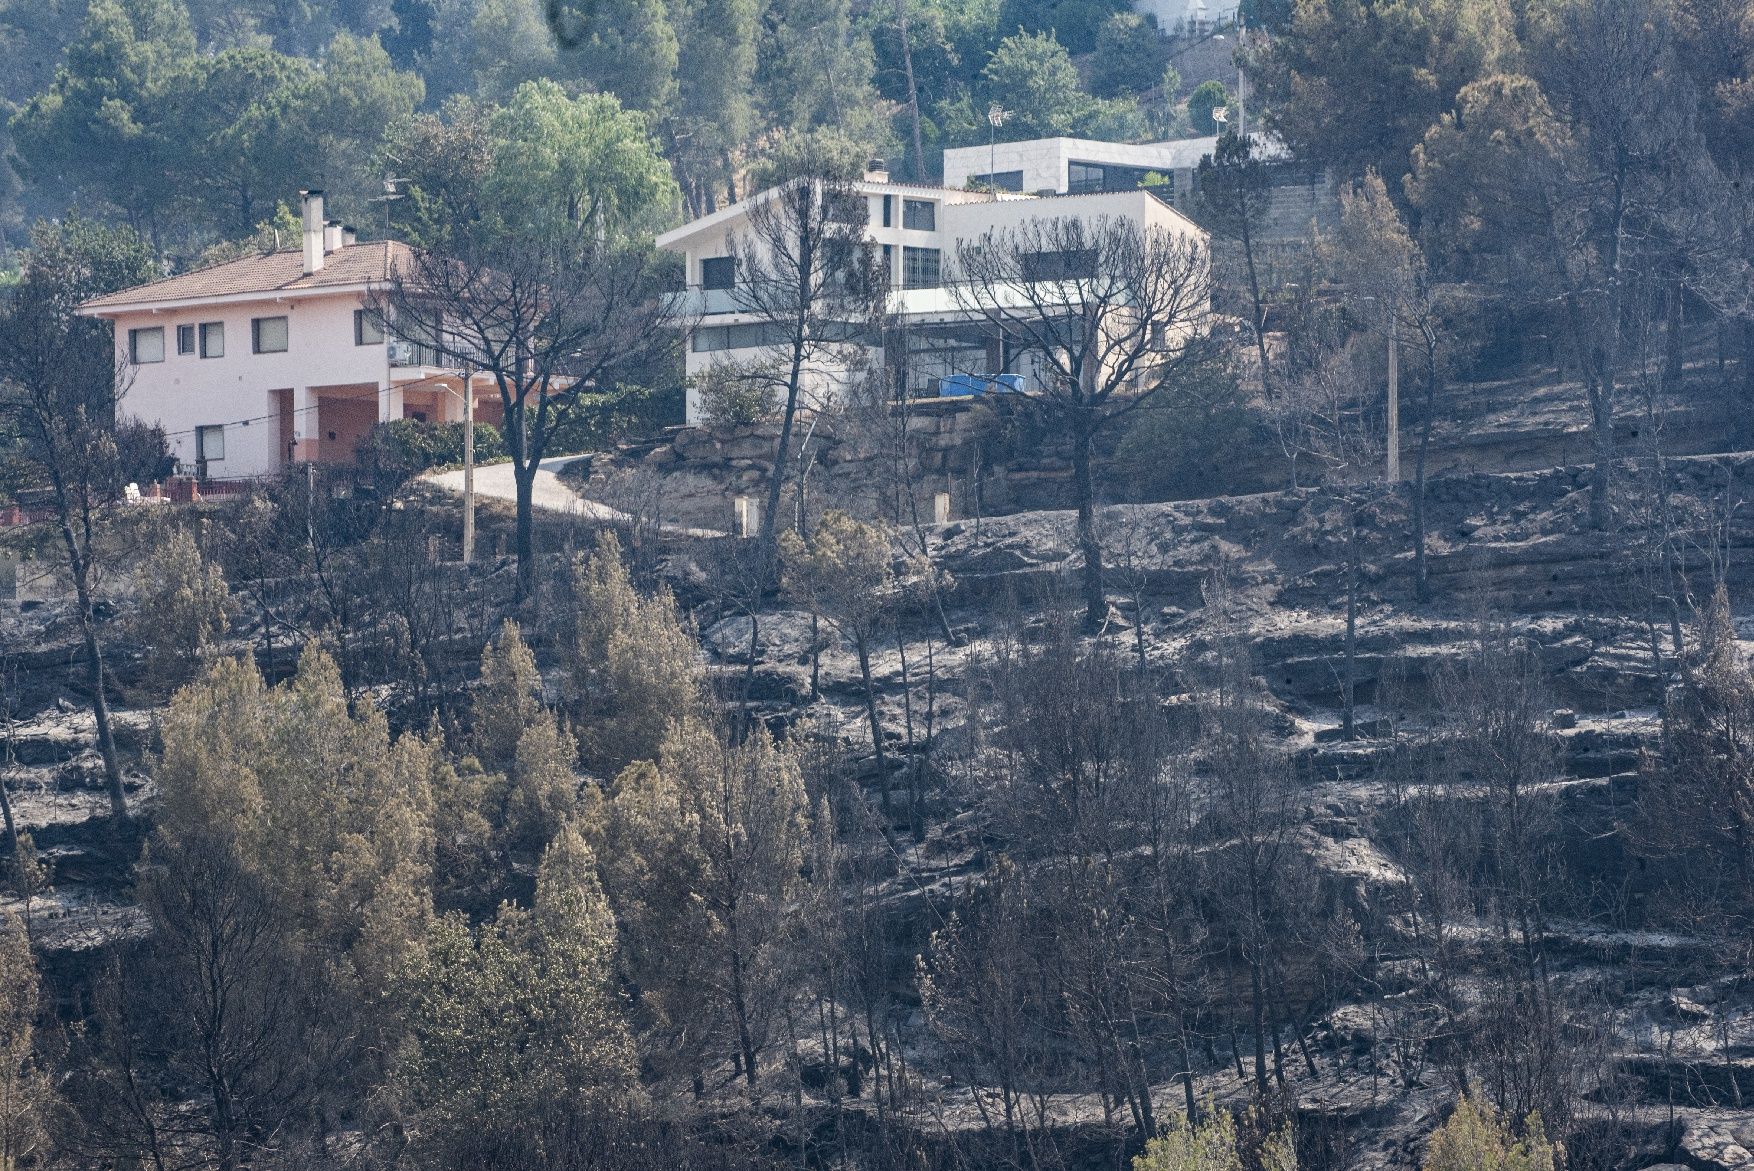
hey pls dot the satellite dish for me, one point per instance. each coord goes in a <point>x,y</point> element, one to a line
<point>1221,114</point>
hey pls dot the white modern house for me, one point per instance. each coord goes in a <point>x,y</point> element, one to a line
<point>939,346</point>
<point>275,358</point>
<point>1189,16</point>
<point>1079,166</point>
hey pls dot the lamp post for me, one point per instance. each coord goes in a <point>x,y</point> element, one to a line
<point>1392,441</point>
<point>468,465</point>
<point>1394,420</point>
<point>995,118</point>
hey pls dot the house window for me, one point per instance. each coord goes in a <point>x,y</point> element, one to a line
<point>847,207</point>
<point>185,339</point>
<point>919,268</point>
<point>146,345</point>
<point>999,181</point>
<point>710,339</point>
<point>919,215</point>
<point>718,272</point>
<point>1070,265</point>
<point>268,335</point>
<point>209,444</point>
<point>213,339</point>
<point>367,329</point>
<point>888,211</point>
<point>1159,336</point>
<point>1083,178</point>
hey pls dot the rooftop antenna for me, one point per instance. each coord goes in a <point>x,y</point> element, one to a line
<point>389,196</point>
<point>996,115</point>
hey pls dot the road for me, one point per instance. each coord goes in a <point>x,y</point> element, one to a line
<point>550,493</point>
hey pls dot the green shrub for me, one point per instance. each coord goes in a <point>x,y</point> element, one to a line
<point>1196,438</point>
<point>402,449</point>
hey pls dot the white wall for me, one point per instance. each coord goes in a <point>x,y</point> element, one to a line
<point>1173,14</point>
<point>960,216</point>
<point>186,391</point>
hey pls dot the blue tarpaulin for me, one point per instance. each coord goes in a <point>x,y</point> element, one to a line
<point>962,385</point>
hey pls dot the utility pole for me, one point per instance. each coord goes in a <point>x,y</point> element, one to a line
<point>468,466</point>
<point>1394,427</point>
<point>1242,81</point>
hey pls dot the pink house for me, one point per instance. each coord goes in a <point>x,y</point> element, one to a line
<point>274,359</point>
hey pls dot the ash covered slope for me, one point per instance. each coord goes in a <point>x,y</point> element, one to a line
<point>1411,954</point>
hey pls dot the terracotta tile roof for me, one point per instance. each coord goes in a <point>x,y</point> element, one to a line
<point>269,272</point>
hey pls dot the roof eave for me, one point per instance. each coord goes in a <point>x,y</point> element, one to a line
<point>90,309</point>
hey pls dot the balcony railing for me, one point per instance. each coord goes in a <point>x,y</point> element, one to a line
<point>405,354</point>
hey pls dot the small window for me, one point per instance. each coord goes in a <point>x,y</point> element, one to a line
<point>1000,181</point>
<point>919,215</point>
<point>1083,178</point>
<point>268,335</point>
<point>888,210</point>
<point>213,339</point>
<point>718,272</point>
<point>185,339</point>
<point>847,207</point>
<point>919,268</point>
<point>1159,336</point>
<point>1072,264</point>
<point>146,345</point>
<point>367,329</point>
<point>710,339</point>
<point>209,444</point>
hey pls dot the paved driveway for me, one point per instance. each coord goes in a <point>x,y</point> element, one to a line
<point>550,492</point>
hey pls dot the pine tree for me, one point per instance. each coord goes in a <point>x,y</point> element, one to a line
<point>515,1029</point>
<point>704,851</point>
<point>509,698</point>
<point>185,606</point>
<point>1476,1138</point>
<point>636,671</point>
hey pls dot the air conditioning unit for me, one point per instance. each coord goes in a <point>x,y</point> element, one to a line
<point>403,353</point>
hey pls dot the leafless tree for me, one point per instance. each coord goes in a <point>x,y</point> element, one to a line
<point>1109,310</point>
<point>809,278</point>
<point>1390,284</point>
<point>554,323</point>
<point>59,384</point>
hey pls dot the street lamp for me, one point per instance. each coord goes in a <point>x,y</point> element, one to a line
<point>996,115</point>
<point>1393,422</point>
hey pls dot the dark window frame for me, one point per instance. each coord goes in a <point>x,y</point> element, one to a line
<point>919,215</point>
<point>917,263</point>
<point>134,339</point>
<point>256,324</point>
<point>203,434</point>
<point>364,325</point>
<point>718,273</point>
<point>999,181</point>
<point>185,340</point>
<point>208,330</point>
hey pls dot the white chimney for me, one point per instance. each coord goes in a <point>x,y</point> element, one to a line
<point>348,235</point>
<point>313,215</point>
<point>331,238</point>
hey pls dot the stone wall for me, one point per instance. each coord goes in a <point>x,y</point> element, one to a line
<point>992,456</point>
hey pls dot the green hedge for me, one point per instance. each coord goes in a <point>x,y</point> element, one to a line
<point>400,450</point>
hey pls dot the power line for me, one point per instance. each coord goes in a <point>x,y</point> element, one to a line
<point>300,410</point>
